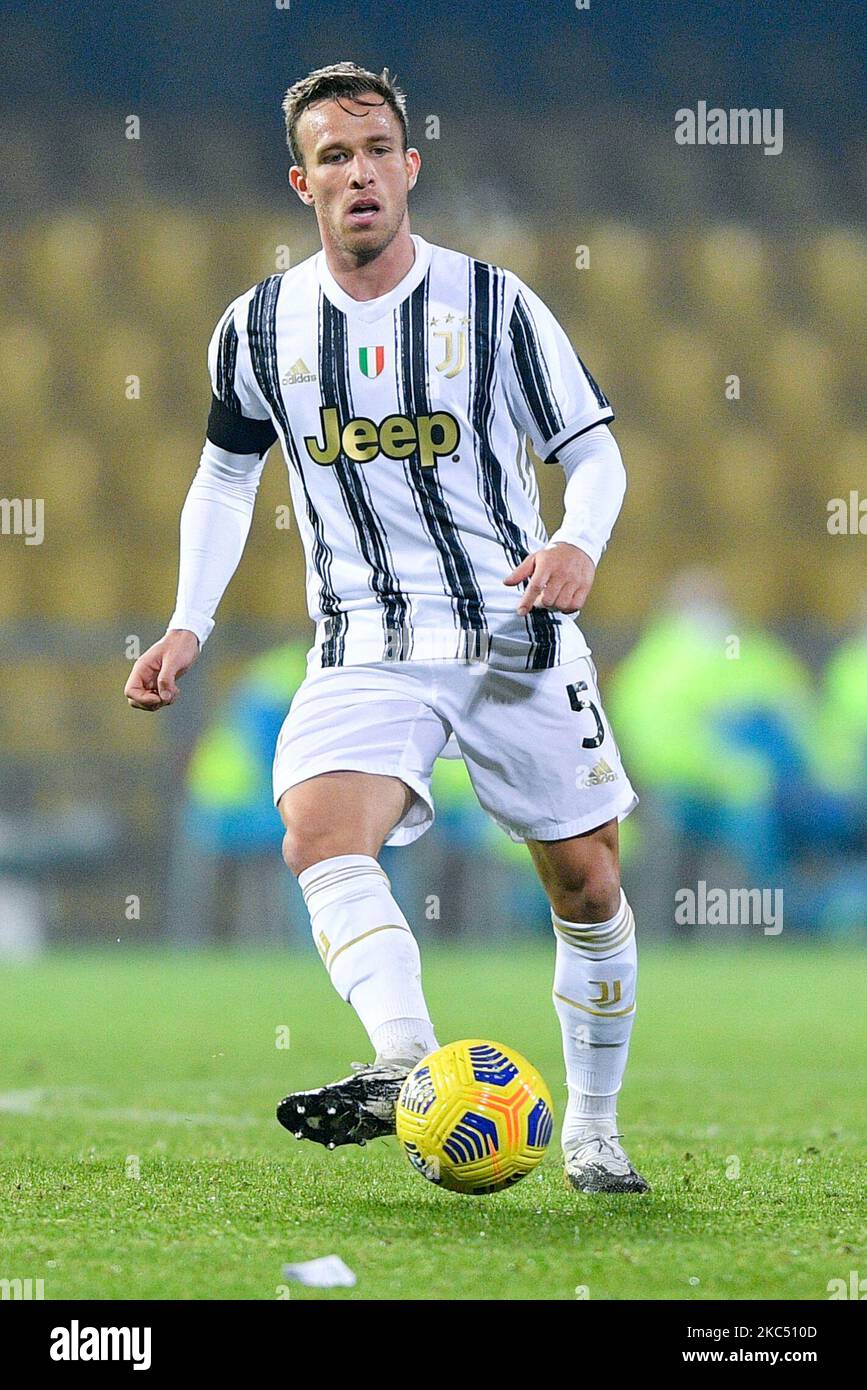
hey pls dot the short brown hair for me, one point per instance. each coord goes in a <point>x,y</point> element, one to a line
<point>339,80</point>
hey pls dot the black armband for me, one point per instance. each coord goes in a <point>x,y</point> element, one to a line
<point>238,434</point>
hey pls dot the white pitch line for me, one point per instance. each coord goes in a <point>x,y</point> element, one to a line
<point>39,1104</point>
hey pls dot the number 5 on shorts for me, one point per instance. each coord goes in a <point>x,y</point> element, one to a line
<point>578,705</point>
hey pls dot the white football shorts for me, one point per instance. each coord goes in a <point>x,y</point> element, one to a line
<point>537,745</point>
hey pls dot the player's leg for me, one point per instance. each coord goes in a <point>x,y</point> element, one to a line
<point>544,764</point>
<point>594,995</point>
<point>351,772</point>
<point>336,825</point>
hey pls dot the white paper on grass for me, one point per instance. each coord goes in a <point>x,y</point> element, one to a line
<point>328,1272</point>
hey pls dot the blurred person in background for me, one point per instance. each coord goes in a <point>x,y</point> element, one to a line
<point>842,902</point>
<point>723,722</point>
<point>227,832</point>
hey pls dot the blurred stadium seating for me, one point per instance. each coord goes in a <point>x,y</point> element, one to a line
<point>662,327</point>
<point>97,297</point>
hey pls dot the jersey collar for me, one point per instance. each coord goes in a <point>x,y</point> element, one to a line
<point>370,309</point>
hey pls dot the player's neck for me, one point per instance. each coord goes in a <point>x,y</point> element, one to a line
<point>374,278</point>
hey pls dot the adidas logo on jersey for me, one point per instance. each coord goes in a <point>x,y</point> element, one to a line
<point>599,774</point>
<point>298,372</point>
<point>396,437</point>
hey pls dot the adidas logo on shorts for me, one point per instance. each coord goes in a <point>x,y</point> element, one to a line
<point>598,774</point>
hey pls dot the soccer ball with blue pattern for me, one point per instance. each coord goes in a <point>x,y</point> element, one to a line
<point>474,1116</point>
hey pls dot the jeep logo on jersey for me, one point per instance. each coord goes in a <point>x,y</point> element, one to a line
<point>396,437</point>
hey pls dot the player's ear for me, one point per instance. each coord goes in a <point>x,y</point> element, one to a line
<point>298,181</point>
<point>413,161</point>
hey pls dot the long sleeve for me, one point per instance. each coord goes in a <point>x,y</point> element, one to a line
<point>215,523</point>
<point>217,513</point>
<point>595,488</point>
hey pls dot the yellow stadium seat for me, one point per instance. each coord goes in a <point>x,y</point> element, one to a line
<point>62,265</point>
<point>25,368</point>
<point>631,580</point>
<point>744,479</point>
<point>761,571</point>
<point>149,585</point>
<point>835,269</point>
<point>840,581</point>
<point>35,696</point>
<point>122,379</point>
<point>165,464</point>
<point>171,262</point>
<point>257,249</point>
<point>503,241</point>
<point>66,468</point>
<point>727,272</point>
<point>840,466</point>
<point>85,578</point>
<point>19,569</point>
<point>648,473</point>
<point>621,277</point>
<point>685,375</point>
<point>796,383</point>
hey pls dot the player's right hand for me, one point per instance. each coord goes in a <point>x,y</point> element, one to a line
<point>153,680</point>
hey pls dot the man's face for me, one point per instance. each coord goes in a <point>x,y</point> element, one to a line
<point>357,175</point>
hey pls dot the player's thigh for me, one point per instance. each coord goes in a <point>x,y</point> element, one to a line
<point>340,813</point>
<point>354,759</point>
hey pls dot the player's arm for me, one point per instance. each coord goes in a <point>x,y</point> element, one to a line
<point>215,523</point>
<point>562,409</point>
<point>561,574</point>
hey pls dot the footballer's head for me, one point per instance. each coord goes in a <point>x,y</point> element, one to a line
<point>346,129</point>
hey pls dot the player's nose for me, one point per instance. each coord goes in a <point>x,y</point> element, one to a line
<point>361,170</point>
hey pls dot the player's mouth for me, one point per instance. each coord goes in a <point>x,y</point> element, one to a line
<point>363,211</point>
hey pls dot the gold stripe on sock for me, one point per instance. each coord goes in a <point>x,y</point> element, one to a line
<point>596,938</point>
<point>592,928</point>
<point>390,926</point>
<point>600,1013</point>
<point>595,944</point>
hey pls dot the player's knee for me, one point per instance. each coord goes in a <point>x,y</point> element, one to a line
<point>309,841</point>
<point>301,848</point>
<point>591,893</point>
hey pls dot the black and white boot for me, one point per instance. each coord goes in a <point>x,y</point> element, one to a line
<point>598,1164</point>
<point>350,1111</point>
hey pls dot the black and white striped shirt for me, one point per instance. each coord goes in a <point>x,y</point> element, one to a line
<point>404,423</point>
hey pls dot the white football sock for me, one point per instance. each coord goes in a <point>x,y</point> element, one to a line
<point>370,953</point>
<point>594,995</point>
<point>403,1040</point>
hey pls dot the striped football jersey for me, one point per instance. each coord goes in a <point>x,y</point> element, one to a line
<point>404,423</point>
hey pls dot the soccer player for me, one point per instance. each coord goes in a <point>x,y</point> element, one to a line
<point>403,381</point>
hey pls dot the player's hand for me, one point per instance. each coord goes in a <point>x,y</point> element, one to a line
<point>560,577</point>
<point>153,680</point>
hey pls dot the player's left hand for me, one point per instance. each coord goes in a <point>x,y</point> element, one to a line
<point>559,577</point>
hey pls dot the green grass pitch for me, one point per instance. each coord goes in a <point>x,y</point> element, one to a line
<point>140,1157</point>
